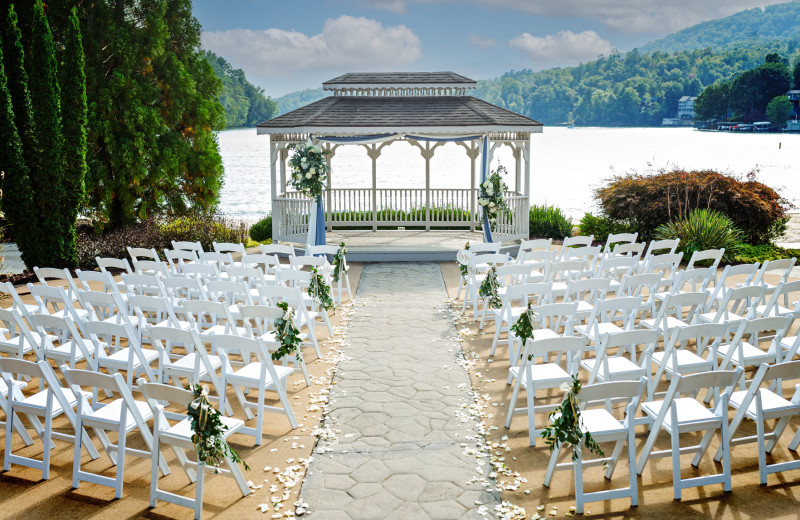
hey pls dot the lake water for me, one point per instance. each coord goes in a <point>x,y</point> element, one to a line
<point>566,163</point>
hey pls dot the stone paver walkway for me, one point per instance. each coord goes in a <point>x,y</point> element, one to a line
<point>396,402</point>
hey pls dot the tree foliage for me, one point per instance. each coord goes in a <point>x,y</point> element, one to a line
<point>779,110</point>
<point>244,103</point>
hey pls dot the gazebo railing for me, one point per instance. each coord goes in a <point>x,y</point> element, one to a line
<point>415,208</point>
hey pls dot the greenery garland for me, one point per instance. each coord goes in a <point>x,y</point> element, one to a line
<point>491,195</point>
<point>320,290</point>
<point>523,328</point>
<point>566,423</point>
<point>287,334</point>
<point>309,168</point>
<point>338,262</point>
<point>208,429</point>
<point>488,289</point>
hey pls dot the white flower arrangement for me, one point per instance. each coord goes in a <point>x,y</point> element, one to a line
<point>309,169</point>
<point>490,197</point>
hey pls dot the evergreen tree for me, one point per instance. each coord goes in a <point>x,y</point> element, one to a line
<point>18,203</point>
<point>73,117</point>
<point>796,75</point>
<point>47,173</point>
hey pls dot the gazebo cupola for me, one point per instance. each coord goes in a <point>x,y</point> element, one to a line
<point>425,109</point>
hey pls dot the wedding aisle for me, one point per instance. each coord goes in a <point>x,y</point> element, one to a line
<point>402,442</point>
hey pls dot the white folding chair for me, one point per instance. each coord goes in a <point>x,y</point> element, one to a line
<point>668,245</point>
<point>718,291</point>
<point>738,303</point>
<point>689,280</point>
<point>604,427</point>
<point>760,403</point>
<point>678,415</point>
<point>507,276</point>
<point>610,316</point>
<point>56,302</point>
<point>617,239</point>
<point>112,355</point>
<point>537,244</point>
<point>579,241</point>
<point>644,285</point>
<point>122,415</point>
<point>531,376</point>
<point>633,250</point>
<point>560,273</point>
<point>143,284</point>
<point>550,320</point>
<point>231,249</point>
<point>232,294</point>
<point>616,356</point>
<point>677,310</point>
<point>50,402</point>
<point>62,277</point>
<point>713,255</point>
<point>17,340</point>
<point>272,295</point>
<point>667,265</point>
<point>743,353</point>
<point>678,358</point>
<point>105,306</point>
<point>184,245</point>
<point>218,260</point>
<point>71,346</point>
<point>16,424</point>
<point>202,272</point>
<point>181,288</point>
<point>344,280</point>
<point>268,265</point>
<point>194,364</point>
<point>591,255</point>
<point>175,430</point>
<point>539,261</point>
<point>177,258</point>
<point>152,267</point>
<point>774,268</point>
<point>259,321</point>
<point>586,292</point>
<point>278,249</point>
<point>476,273</point>
<point>515,300</point>
<point>118,264</point>
<point>773,306</point>
<point>614,268</point>
<point>258,373</point>
<point>25,309</point>
<point>210,318</point>
<point>143,253</point>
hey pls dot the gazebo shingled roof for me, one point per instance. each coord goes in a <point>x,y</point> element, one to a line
<point>399,78</point>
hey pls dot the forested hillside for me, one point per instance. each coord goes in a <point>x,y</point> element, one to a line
<point>635,89</point>
<point>298,99</point>
<point>245,104</point>
<point>774,22</point>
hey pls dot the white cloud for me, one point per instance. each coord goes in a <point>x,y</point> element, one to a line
<point>477,40</point>
<point>562,47</point>
<point>658,16</point>
<point>345,43</point>
<point>395,6</point>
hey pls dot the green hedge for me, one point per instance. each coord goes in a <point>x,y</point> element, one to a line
<point>548,222</point>
<point>603,226</point>
<point>262,230</point>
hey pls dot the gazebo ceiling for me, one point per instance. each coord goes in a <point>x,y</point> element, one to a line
<point>354,115</point>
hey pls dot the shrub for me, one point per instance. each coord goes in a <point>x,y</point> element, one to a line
<point>602,226</point>
<point>649,201</point>
<point>549,222</point>
<point>748,254</point>
<point>262,230</point>
<point>205,229</point>
<point>703,229</point>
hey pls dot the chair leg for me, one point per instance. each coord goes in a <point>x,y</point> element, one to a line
<point>579,480</point>
<point>48,431</point>
<point>156,461</point>
<point>120,476</point>
<point>762,455</point>
<point>632,476</point>
<point>198,492</point>
<point>676,462</point>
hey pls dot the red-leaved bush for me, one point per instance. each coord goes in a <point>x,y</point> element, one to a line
<point>647,201</point>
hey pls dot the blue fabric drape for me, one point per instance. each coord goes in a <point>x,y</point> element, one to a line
<point>442,139</point>
<point>319,238</point>
<point>359,139</point>
<point>487,230</point>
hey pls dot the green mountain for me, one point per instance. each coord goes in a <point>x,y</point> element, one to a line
<point>774,22</point>
<point>298,99</point>
<point>244,103</point>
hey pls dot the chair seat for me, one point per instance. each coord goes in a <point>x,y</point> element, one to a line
<point>599,422</point>
<point>617,366</point>
<point>111,414</point>
<point>787,342</point>
<point>601,328</point>
<point>252,371</point>
<point>4,386</point>
<point>38,400</point>
<point>708,317</point>
<point>777,310</point>
<point>12,346</point>
<point>752,354</point>
<point>186,363</point>
<point>82,314</point>
<point>672,322</point>
<point>545,334</point>
<point>689,411</point>
<point>221,329</point>
<point>543,374</point>
<point>772,403</point>
<point>183,325</point>
<point>64,352</point>
<point>120,358</point>
<point>687,361</point>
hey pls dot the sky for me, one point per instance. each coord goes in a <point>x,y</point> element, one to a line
<point>289,45</point>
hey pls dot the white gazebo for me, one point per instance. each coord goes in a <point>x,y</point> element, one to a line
<point>426,110</point>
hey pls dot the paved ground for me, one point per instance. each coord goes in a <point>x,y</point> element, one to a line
<point>397,406</point>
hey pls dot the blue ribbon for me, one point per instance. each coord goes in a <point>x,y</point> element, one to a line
<point>319,238</point>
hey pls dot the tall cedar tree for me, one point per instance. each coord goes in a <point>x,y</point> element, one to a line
<point>17,192</point>
<point>153,111</point>
<point>73,118</point>
<point>47,174</point>
<point>18,197</point>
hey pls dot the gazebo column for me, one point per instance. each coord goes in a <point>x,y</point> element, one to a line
<point>427,154</point>
<point>284,154</point>
<point>374,151</point>
<point>526,152</point>
<point>473,152</point>
<point>517,150</point>
<point>273,158</point>
<point>329,196</point>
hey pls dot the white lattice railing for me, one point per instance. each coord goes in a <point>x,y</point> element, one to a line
<point>365,208</point>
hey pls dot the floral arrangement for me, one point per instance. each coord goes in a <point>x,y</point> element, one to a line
<point>287,334</point>
<point>488,288</point>
<point>338,262</point>
<point>309,169</point>
<point>208,439</point>
<point>490,197</point>
<point>523,328</point>
<point>464,265</point>
<point>320,290</point>
<point>566,423</point>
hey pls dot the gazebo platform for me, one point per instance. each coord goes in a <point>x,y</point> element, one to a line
<point>405,246</point>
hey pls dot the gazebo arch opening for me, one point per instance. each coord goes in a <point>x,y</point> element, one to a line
<point>426,110</point>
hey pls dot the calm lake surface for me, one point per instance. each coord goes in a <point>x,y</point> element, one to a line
<point>566,163</point>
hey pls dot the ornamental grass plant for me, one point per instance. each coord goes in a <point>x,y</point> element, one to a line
<point>703,229</point>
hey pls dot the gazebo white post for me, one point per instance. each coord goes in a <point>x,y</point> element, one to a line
<point>328,210</point>
<point>284,155</point>
<point>273,157</point>
<point>427,154</point>
<point>526,151</point>
<point>373,151</point>
<point>518,171</point>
